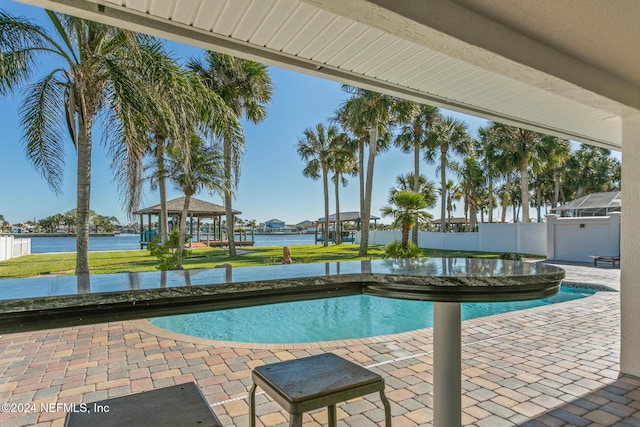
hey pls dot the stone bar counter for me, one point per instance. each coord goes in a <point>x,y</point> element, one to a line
<point>52,302</point>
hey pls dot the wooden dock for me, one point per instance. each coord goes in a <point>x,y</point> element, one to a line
<point>223,243</point>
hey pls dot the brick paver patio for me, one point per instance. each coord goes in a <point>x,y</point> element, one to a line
<point>547,366</point>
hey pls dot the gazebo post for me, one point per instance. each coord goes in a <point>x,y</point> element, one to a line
<point>141,230</point>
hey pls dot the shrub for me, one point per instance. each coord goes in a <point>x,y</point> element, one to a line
<point>167,254</point>
<point>394,250</point>
<point>511,256</point>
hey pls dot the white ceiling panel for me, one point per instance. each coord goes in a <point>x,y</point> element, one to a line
<point>360,47</point>
<point>278,13</point>
<point>162,8</point>
<point>318,22</point>
<point>186,12</point>
<point>138,5</point>
<point>207,14</point>
<point>250,23</point>
<point>295,23</point>
<point>298,35</point>
<point>230,16</point>
<point>337,26</point>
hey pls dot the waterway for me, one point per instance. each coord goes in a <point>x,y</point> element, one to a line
<point>125,242</point>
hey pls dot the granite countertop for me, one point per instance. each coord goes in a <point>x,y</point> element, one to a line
<point>39,303</point>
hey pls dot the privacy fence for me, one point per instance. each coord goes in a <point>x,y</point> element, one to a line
<point>11,247</point>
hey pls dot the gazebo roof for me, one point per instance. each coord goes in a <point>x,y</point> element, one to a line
<point>197,207</point>
<point>593,203</point>
<point>347,216</point>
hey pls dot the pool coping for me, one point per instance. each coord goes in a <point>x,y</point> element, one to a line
<point>146,326</point>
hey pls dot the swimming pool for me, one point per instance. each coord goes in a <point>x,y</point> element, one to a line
<point>357,316</point>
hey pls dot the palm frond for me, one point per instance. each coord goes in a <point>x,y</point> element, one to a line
<point>41,118</point>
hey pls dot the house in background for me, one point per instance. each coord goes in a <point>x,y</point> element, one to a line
<point>306,226</point>
<point>595,204</point>
<point>275,225</point>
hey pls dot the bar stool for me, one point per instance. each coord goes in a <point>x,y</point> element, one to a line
<point>309,383</point>
<point>180,405</point>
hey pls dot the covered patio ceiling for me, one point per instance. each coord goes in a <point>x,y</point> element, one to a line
<point>566,68</point>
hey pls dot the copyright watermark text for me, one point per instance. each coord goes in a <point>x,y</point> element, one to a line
<point>25,408</point>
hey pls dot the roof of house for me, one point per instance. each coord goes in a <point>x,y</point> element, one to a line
<point>348,216</point>
<point>593,203</point>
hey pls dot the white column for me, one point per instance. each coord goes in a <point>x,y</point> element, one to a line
<point>551,235</point>
<point>447,364</point>
<point>630,248</point>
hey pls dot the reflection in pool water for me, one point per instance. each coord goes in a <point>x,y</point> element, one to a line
<point>356,316</point>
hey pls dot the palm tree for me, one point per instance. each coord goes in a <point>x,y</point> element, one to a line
<point>413,137</point>
<point>3,223</point>
<point>488,147</point>
<point>99,64</point>
<point>245,86</point>
<point>369,115</point>
<point>525,149</point>
<point>472,185</point>
<point>315,148</point>
<point>405,207</point>
<point>448,137</point>
<point>198,167</point>
<point>453,194</point>
<point>342,160</point>
<point>589,170</point>
<point>426,188</point>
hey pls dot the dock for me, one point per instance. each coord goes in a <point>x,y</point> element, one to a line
<point>225,243</point>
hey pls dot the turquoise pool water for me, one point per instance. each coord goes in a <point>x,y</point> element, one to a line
<point>357,316</point>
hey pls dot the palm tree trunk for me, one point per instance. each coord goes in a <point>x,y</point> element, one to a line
<point>361,177</point>
<point>183,226</point>
<point>505,198</point>
<point>228,210</point>
<point>443,183</point>
<point>163,236</point>
<point>405,237</point>
<point>365,215</point>
<point>490,199</point>
<point>524,189</point>
<point>325,188</point>
<point>83,187</point>
<point>416,188</point>
<point>338,239</point>
<point>556,191</point>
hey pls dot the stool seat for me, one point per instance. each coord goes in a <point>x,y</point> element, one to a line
<point>177,406</point>
<point>313,382</point>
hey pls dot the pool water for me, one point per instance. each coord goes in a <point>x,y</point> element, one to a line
<point>357,316</point>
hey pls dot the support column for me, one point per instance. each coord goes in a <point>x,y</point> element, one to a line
<point>630,247</point>
<point>447,365</point>
<point>551,235</point>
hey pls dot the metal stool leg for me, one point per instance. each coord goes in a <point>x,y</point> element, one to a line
<point>296,420</point>
<point>252,406</point>
<point>333,419</point>
<point>387,409</point>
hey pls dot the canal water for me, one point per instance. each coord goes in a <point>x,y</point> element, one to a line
<point>123,242</point>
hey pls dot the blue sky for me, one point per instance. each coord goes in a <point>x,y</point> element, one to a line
<point>271,182</point>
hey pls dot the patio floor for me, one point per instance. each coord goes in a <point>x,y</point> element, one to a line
<point>546,366</point>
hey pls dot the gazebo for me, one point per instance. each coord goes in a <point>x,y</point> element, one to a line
<point>198,209</point>
<point>348,236</point>
<point>595,204</point>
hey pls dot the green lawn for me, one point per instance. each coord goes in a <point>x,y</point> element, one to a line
<point>140,260</point>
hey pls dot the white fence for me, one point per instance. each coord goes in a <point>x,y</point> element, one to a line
<point>519,237</point>
<point>13,248</point>
<point>575,239</point>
